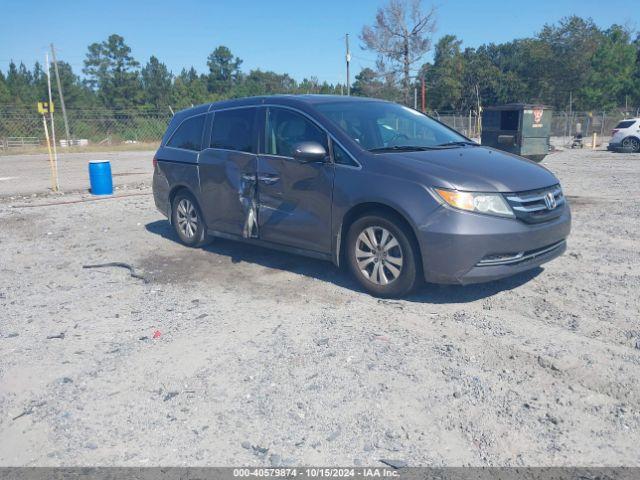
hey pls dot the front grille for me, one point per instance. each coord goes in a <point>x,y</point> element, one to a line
<point>531,206</point>
<point>515,258</point>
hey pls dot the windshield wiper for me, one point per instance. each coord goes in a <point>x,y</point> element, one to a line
<point>460,143</point>
<point>402,148</point>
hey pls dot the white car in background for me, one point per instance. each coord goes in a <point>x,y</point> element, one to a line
<point>626,136</point>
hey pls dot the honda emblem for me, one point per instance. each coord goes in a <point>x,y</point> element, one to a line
<point>550,201</point>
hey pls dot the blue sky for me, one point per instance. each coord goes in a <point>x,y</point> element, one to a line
<point>302,38</point>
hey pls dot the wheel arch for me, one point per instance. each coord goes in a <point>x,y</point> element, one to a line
<point>373,207</point>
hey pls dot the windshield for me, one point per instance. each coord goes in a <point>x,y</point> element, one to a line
<point>382,125</point>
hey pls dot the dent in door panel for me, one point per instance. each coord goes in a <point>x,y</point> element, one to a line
<point>248,199</point>
<point>229,191</point>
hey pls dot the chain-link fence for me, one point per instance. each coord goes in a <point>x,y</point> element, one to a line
<point>468,124</point>
<point>564,125</point>
<point>22,128</point>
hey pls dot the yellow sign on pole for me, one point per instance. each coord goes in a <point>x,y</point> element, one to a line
<point>45,107</point>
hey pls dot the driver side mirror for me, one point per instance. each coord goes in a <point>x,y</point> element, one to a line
<point>309,152</point>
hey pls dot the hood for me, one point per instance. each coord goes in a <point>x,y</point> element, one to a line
<point>479,169</point>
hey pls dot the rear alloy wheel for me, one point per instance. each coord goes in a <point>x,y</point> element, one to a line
<point>381,256</point>
<point>631,144</point>
<point>187,220</point>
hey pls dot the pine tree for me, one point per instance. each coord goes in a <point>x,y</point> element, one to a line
<point>113,73</point>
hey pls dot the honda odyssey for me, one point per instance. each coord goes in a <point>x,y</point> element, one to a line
<point>392,193</point>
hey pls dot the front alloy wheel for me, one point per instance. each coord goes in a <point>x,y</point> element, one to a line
<point>382,255</point>
<point>379,255</point>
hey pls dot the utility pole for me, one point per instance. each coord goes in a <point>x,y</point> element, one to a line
<point>424,95</point>
<point>478,113</point>
<point>64,110</point>
<point>570,102</point>
<point>348,57</point>
<point>570,113</point>
<point>53,126</point>
<point>626,105</point>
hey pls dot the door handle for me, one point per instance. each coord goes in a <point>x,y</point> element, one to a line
<point>247,177</point>
<point>268,179</point>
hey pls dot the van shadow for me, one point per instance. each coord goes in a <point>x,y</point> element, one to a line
<point>239,252</point>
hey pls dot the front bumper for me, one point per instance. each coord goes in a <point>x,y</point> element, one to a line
<point>462,248</point>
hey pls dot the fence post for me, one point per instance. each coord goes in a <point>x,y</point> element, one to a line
<point>570,126</point>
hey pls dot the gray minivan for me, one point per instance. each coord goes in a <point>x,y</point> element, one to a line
<point>394,194</point>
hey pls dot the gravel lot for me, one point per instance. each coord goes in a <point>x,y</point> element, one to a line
<point>264,358</point>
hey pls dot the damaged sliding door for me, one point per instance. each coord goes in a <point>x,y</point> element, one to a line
<point>228,173</point>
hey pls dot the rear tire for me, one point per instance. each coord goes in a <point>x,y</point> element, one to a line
<point>382,255</point>
<point>187,220</point>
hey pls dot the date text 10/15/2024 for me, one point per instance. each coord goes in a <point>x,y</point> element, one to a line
<point>309,472</point>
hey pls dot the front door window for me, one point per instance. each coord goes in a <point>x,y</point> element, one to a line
<point>286,128</point>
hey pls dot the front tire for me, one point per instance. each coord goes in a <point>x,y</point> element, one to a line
<point>187,220</point>
<point>382,256</point>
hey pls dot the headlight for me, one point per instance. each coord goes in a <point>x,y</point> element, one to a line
<point>488,203</point>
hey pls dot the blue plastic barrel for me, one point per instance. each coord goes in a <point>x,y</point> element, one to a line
<point>100,177</point>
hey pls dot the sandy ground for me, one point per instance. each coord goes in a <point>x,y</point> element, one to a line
<point>264,358</point>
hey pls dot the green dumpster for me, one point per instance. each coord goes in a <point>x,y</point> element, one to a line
<point>518,128</point>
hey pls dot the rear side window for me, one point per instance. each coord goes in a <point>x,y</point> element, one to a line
<point>189,134</point>
<point>626,124</point>
<point>233,130</point>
